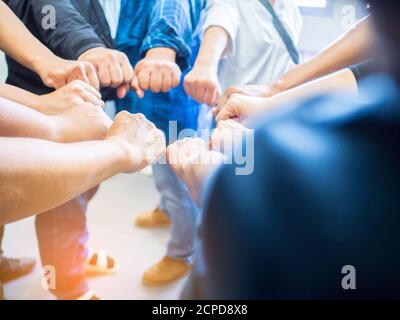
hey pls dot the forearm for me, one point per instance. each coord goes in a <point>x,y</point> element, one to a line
<point>20,96</point>
<point>212,47</point>
<point>44,180</point>
<point>351,48</point>
<point>343,80</point>
<point>13,33</point>
<point>19,121</point>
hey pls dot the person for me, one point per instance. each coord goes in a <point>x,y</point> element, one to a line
<point>81,34</point>
<point>353,47</point>
<point>243,107</point>
<point>33,186</point>
<point>161,39</point>
<point>318,216</point>
<point>55,72</point>
<point>231,28</point>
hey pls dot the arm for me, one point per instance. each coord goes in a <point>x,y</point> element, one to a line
<point>353,47</point>
<point>201,83</point>
<point>73,94</point>
<point>45,179</point>
<point>221,26</point>
<point>167,46</point>
<point>84,122</point>
<point>55,72</point>
<point>243,106</point>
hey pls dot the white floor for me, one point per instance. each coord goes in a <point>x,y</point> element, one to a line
<point>111,215</point>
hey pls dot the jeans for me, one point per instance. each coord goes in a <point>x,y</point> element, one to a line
<point>177,204</point>
<point>62,235</point>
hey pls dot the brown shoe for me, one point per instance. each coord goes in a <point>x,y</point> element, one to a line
<point>153,219</point>
<point>166,271</point>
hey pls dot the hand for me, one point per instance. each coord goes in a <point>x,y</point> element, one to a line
<point>81,123</point>
<point>113,68</point>
<point>157,72</point>
<point>58,72</point>
<point>241,107</point>
<point>71,95</point>
<point>192,162</point>
<point>143,142</point>
<point>264,91</point>
<point>201,83</point>
<point>228,135</point>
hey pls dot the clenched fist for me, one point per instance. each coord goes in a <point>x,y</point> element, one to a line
<point>113,68</point>
<point>228,135</point>
<point>58,72</point>
<point>81,123</point>
<point>143,143</point>
<point>193,163</point>
<point>201,83</point>
<point>157,72</point>
<point>72,95</point>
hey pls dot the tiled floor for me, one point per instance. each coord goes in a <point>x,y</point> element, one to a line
<point>110,219</point>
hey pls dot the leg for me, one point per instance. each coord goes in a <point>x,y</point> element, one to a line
<point>62,236</point>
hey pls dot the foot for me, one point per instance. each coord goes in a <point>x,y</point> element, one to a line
<point>11,269</point>
<point>153,219</point>
<point>166,271</point>
<point>90,295</point>
<point>100,263</point>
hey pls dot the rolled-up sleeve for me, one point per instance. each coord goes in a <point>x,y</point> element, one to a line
<point>224,14</point>
<point>172,24</point>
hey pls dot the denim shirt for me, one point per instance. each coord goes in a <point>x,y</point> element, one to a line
<point>176,24</point>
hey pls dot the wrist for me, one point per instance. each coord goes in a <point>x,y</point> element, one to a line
<point>162,54</point>
<point>121,152</point>
<point>206,64</point>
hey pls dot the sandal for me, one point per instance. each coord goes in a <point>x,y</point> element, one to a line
<point>100,263</point>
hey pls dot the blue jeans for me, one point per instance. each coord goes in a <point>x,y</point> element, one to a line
<point>62,235</point>
<point>178,205</point>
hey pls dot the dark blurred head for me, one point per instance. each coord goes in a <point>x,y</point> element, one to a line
<point>386,14</point>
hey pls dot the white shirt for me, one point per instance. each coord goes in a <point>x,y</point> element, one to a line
<point>256,54</point>
<point>112,10</point>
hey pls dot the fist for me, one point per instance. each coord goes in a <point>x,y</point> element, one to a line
<point>155,74</point>
<point>59,72</point>
<point>143,143</point>
<point>71,95</point>
<point>228,135</point>
<point>193,163</point>
<point>201,83</point>
<point>82,123</point>
<point>113,68</point>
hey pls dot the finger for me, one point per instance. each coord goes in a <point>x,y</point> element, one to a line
<point>122,91</point>
<point>80,73</point>
<point>176,78</point>
<point>156,82</point>
<point>89,88</point>
<point>167,82</point>
<point>91,98</point>
<point>117,77</point>
<point>127,70</point>
<point>144,80</point>
<point>209,94</point>
<point>227,94</point>
<point>200,92</point>
<point>92,76</point>
<point>224,114</point>
<point>187,86</point>
<point>135,86</point>
<point>104,76</point>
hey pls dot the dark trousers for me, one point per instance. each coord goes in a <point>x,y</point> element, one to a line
<point>62,235</point>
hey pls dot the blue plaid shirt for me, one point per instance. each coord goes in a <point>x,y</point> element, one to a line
<point>176,24</point>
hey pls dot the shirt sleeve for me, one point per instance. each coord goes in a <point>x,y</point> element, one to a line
<point>364,69</point>
<point>173,24</point>
<point>224,14</point>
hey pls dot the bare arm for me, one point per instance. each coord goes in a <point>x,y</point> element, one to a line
<point>202,81</point>
<point>17,42</point>
<point>243,106</point>
<point>353,47</point>
<point>37,175</point>
<point>32,181</point>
